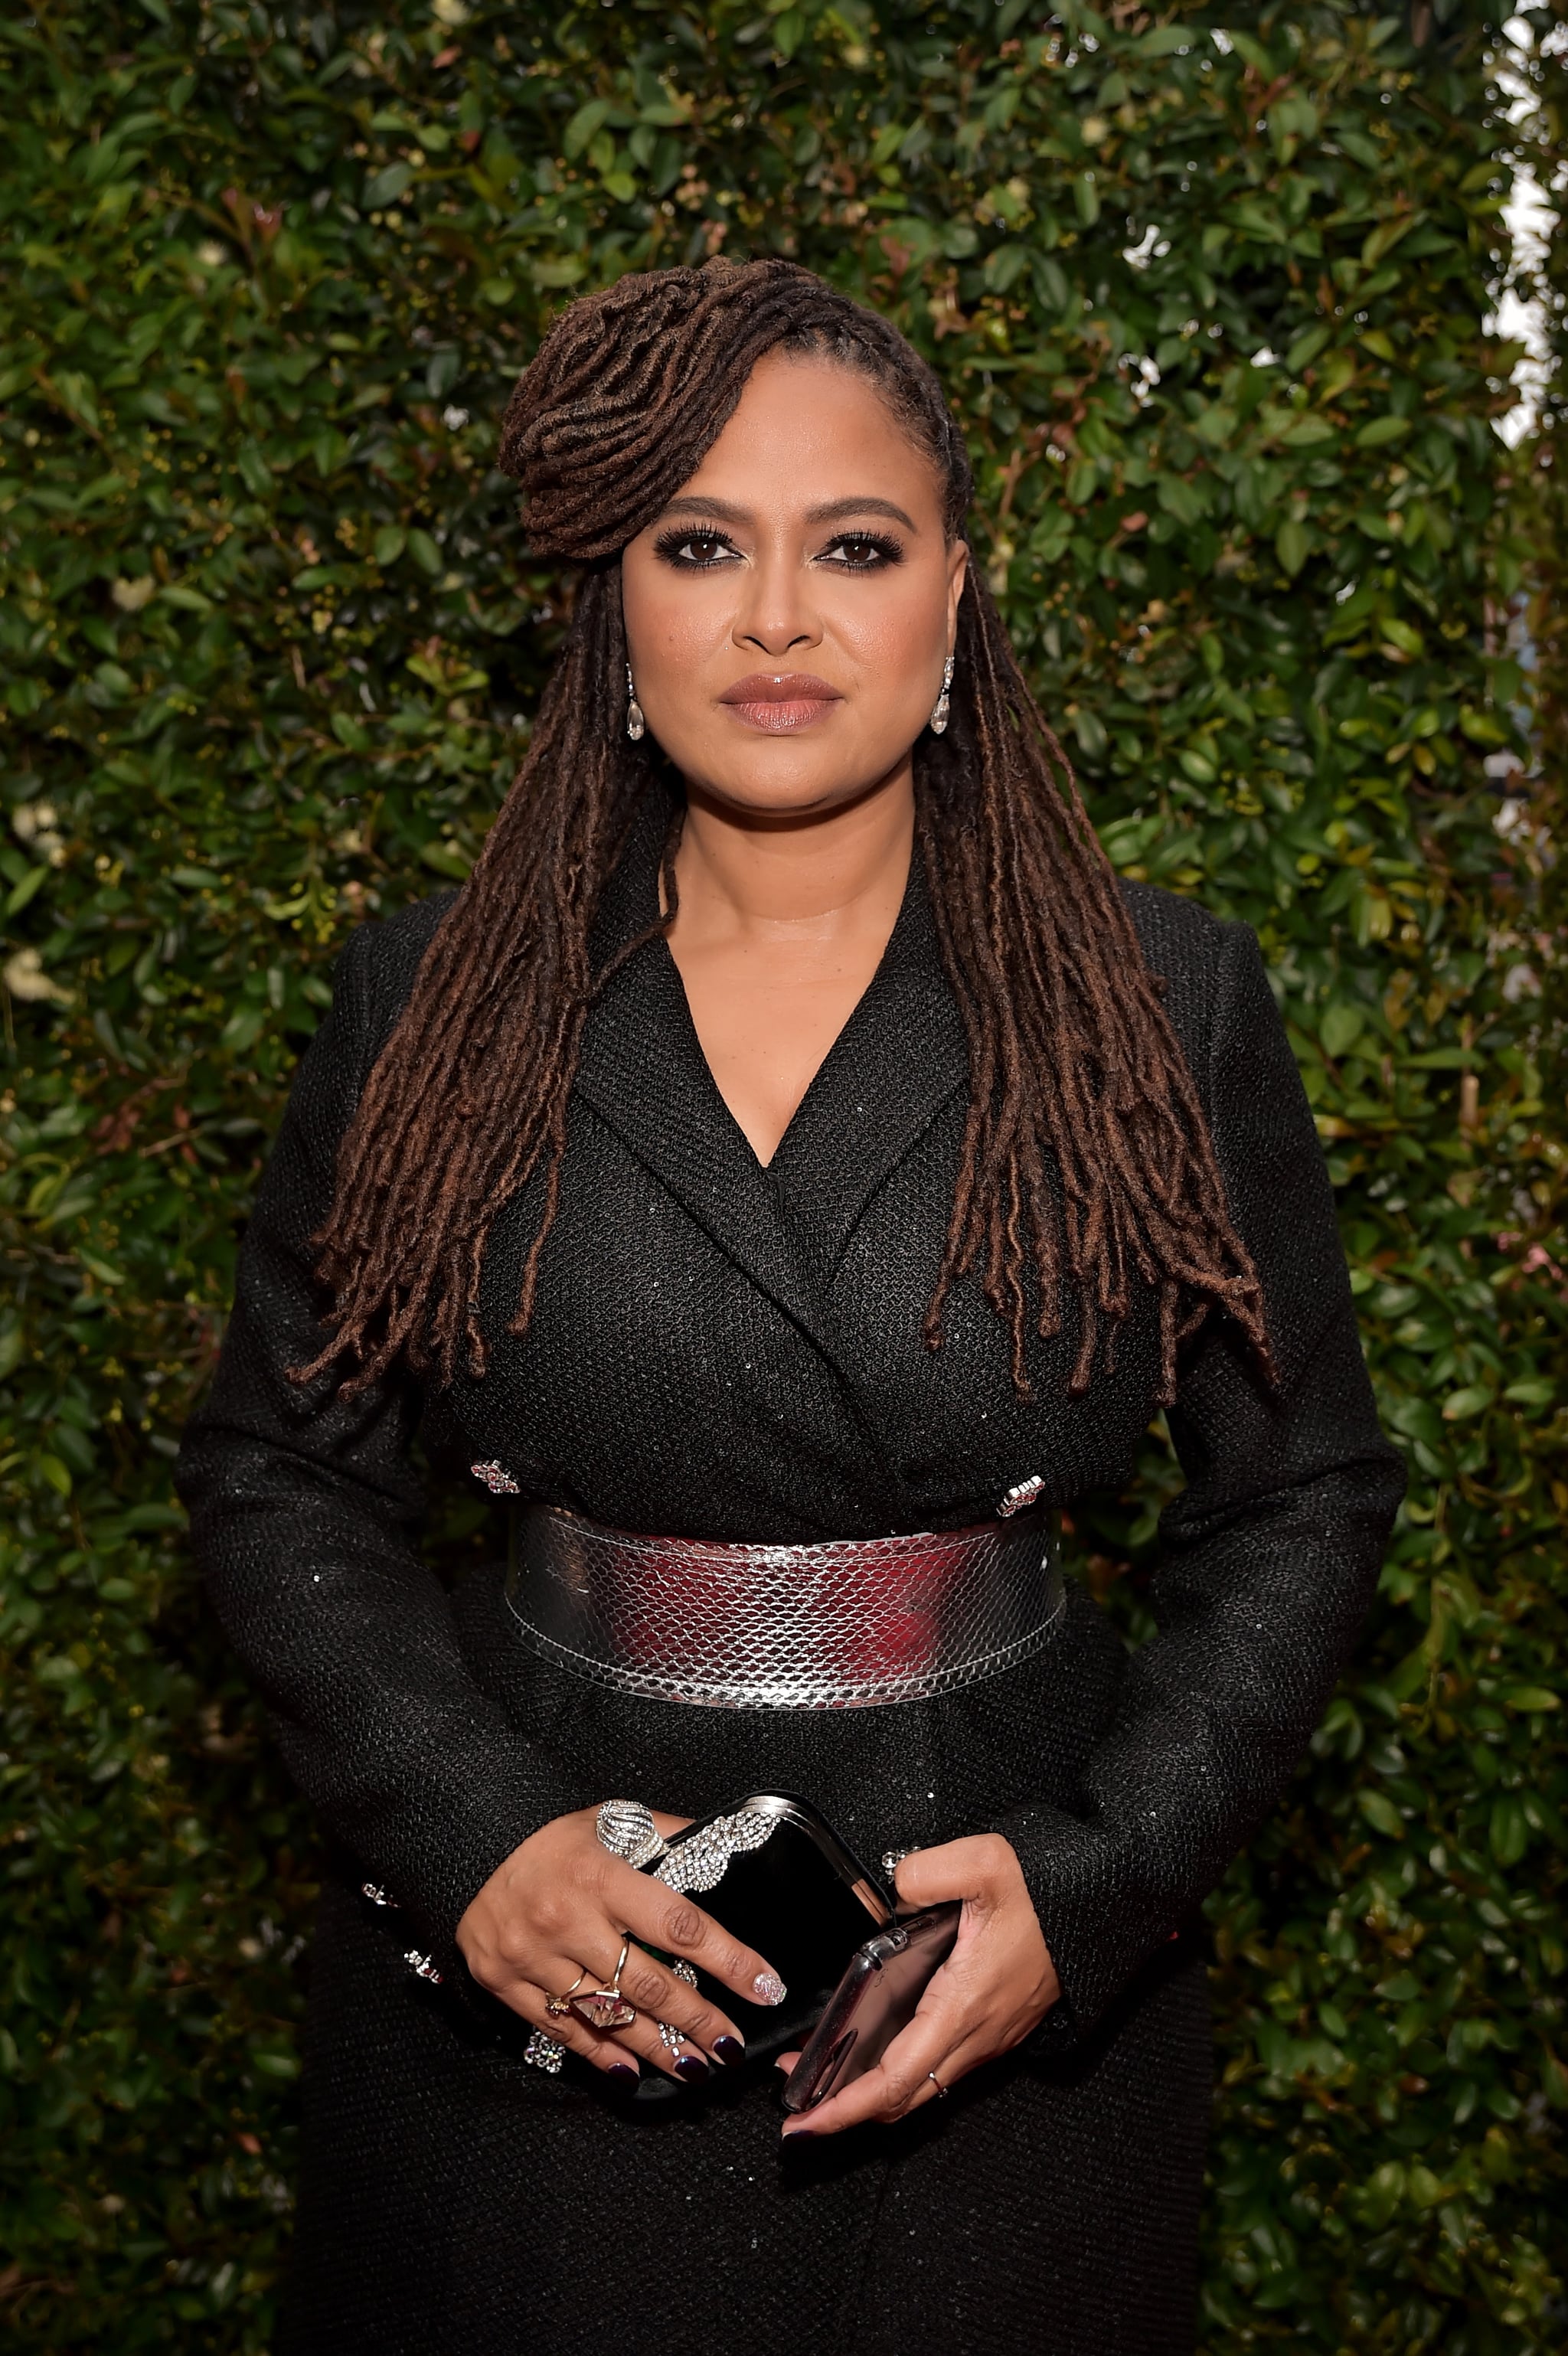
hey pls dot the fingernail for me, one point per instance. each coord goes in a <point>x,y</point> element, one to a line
<point>623,2074</point>
<point>730,2051</point>
<point>768,1988</point>
<point>692,2068</point>
<point>799,2135</point>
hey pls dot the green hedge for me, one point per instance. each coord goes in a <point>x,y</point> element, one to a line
<point>1211,307</point>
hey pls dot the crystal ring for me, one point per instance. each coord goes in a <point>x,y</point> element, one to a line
<point>606,2008</point>
<point>627,1829</point>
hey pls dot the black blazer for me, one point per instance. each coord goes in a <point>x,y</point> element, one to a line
<point>727,1351</point>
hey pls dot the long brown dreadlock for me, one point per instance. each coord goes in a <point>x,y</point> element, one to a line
<point>1085,1159</point>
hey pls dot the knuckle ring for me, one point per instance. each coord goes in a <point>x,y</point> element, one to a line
<point>558,2007</point>
<point>941,2089</point>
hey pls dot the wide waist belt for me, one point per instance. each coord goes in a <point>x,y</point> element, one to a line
<point>839,1625</point>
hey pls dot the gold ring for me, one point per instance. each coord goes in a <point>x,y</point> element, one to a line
<point>558,2006</point>
<point>606,2008</point>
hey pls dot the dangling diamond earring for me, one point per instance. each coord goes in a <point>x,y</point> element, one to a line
<point>635,723</point>
<point>942,707</point>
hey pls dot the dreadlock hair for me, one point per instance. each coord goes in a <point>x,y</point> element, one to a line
<point>1085,1159</point>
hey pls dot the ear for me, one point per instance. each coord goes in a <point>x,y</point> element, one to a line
<point>957,574</point>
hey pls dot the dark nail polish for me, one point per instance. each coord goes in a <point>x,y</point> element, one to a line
<point>801,2135</point>
<point>692,2068</point>
<point>730,2050</point>
<point>624,2076</point>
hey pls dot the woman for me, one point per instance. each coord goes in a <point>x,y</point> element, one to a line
<point>790,1133</point>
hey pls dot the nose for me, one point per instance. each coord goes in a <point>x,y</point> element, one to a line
<point>775,615</point>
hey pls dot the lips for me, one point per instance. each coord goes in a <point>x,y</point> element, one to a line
<point>778,703</point>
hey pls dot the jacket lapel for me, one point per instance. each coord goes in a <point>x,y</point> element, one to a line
<point>644,1072</point>
<point>901,1057</point>
<point>898,1061</point>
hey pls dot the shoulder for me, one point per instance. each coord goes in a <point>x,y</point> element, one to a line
<point>1211,967</point>
<point>375,970</point>
<point>1179,936</point>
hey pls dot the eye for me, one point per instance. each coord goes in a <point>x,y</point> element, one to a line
<point>863,552</point>
<point>695,551</point>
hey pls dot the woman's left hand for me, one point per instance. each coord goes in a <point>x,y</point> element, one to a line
<point>997,1984</point>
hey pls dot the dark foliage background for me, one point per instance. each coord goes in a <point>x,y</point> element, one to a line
<point>1214,309</point>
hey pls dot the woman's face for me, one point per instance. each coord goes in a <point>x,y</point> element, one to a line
<point>788,615</point>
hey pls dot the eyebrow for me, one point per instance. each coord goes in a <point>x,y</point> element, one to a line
<point>833,512</point>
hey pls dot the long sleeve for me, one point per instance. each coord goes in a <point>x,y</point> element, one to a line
<point>1269,1558</point>
<point>305,1514</point>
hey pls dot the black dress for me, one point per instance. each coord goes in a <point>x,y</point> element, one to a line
<point>723,1351</point>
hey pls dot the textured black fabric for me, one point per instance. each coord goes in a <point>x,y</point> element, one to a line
<point>726,1351</point>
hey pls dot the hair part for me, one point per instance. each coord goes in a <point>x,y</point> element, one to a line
<point>1085,1166</point>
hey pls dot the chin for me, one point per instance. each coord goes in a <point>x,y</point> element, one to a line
<point>789,789</point>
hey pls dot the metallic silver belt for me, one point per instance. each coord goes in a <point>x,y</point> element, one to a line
<point>835,1626</point>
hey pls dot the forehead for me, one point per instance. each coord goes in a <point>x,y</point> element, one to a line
<point>808,430</point>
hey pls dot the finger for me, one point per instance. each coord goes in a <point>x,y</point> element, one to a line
<point>665,2047</point>
<point>531,2005</point>
<point>656,1995</point>
<point>925,2055</point>
<point>660,1917</point>
<point>657,1991</point>
<point>973,1868</point>
<point>616,2053</point>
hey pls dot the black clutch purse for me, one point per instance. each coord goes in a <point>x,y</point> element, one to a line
<point>775,1874</point>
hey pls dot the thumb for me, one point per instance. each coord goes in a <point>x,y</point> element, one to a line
<point>960,1869</point>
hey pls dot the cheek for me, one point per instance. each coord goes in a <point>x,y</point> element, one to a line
<point>674,628</point>
<point>892,628</point>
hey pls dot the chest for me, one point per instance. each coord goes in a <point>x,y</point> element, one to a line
<point>778,1388</point>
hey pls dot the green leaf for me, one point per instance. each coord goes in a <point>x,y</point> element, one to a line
<point>51,1469</point>
<point>1380,431</point>
<point>24,888</point>
<point>447,860</point>
<point>389,544</point>
<point>1380,1814</point>
<point>274,2064</point>
<point>1293,544</point>
<point>1164,42</point>
<point>1340,1027</point>
<point>425,553</point>
<point>1462,1404</point>
<point>1385,237</point>
<point>1305,347</point>
<point>589,119</point>
<point>384,187</point>
<point>1403,634</point>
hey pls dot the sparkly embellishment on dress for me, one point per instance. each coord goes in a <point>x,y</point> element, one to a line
<point>497,1479</point>
<point>544,2052</point>
<point>376,1894</point>
<point>1021,1494</point>
<point>422,1966</point>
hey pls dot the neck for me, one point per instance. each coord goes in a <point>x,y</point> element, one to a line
<point>823,874</point>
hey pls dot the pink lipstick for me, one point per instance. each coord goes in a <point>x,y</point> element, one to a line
<point>780,701</point>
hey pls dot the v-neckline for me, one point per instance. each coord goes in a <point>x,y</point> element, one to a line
<point>822,1077</point>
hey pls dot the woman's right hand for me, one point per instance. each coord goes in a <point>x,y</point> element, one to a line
<point>561,1904</point>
